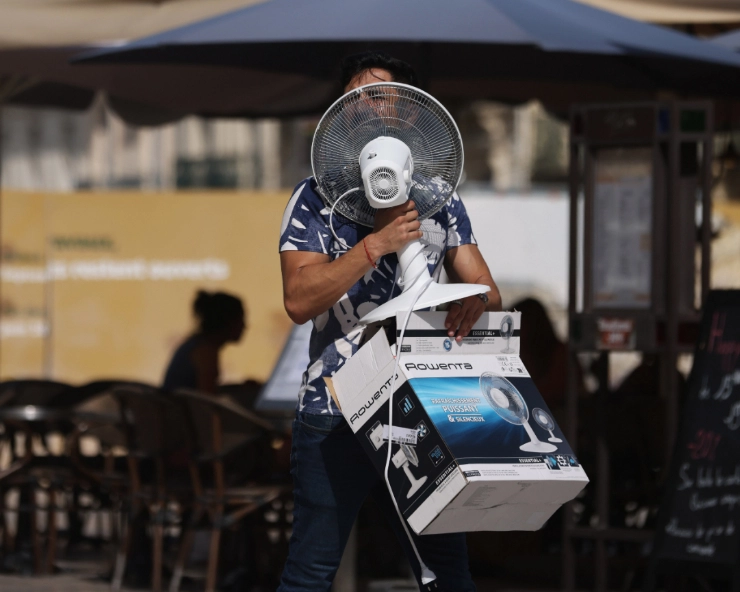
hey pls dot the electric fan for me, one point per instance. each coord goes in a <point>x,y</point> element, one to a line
<point>378,146</point>
<point>507,330</point>
<point>543,420</point>
<point>407,455</point>
<point>508,403</point>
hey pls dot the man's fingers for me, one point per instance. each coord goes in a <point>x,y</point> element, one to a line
<point>473,311</point>
<point>454,316</point>
<point>466,324</point>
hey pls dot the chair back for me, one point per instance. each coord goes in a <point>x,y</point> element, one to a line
<point>218,425</point>
<point>155,424</point>
<point>77,397</point>
<point>30,392</point>
<point>99,397</point>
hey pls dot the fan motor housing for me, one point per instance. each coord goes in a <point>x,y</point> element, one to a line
<point>387,168</point>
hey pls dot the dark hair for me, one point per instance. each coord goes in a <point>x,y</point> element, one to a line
<point>216,310</point>
<point>356,64</point>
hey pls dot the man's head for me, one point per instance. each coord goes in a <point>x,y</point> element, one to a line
<point>374,66</point>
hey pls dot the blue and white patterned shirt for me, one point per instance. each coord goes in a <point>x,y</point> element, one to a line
<point>336,332</point>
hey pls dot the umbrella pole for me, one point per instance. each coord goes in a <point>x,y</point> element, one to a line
<point>2,251</point>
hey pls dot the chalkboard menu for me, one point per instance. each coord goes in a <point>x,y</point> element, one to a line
<point>699,518</point>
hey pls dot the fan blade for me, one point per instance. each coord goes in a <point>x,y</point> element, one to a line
<point>434,294</point>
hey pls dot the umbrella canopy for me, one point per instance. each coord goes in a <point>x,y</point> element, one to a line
<point>37,38</point>
<point>674,11</point>
<point>150,94</point>
<point>45,23</point>
<point>542,44</point>
<point>729,40</point>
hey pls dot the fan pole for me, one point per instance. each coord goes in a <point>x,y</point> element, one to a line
<point>530,432</point>
<point>413,264</point>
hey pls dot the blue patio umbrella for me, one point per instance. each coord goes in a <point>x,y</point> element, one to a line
<point>729,40</point>
<point>502,49</point>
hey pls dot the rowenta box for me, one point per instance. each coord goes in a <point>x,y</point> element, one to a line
<point>474,445</point>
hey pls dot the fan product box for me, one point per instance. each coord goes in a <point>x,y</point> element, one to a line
<point>474,447</point>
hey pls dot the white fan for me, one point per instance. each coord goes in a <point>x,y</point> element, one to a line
<point>378,146</point>
<point>543,420</point>
<point>407,455</point>
<point>508,403</point>
<point>507,330</point>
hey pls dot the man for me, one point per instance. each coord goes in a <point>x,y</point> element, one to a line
<point>334,283</point>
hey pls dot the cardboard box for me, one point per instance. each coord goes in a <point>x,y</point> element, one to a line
<point>459,465</point>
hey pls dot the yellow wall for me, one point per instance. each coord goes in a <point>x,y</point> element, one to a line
<point>110,307</point>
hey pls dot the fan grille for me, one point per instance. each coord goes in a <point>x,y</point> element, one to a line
<point>411,455</point>
<point>507,327</point>
<point>391,110</point>
<point>515,411</point>
<point>543,419</point>
<point>384,183</point>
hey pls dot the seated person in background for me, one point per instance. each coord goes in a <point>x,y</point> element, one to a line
<point>195,364</point>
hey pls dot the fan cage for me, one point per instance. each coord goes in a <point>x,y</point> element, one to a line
<point>391,110</point>
<point>410,454</point>
<point>517,412</point>
<point>543,419</point>
<point>384,193</point>
<point>507,326</point>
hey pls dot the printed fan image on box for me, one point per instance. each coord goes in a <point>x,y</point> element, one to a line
<point>507,401</point>
<point>406,455</point>
<point>546,423</point>
<point>507,330</point>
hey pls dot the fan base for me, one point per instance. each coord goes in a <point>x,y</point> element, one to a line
<point>434,294</point>
<point>554,440</point>
<point>538,446</point>
<point>415,486</point>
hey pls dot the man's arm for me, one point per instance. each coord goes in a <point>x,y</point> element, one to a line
<point>465,264</point>
<point>313,283</point>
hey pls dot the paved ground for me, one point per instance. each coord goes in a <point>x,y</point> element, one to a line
<point>77,576</point>
<point>57,583</point>
<point>83,574</point>
<point>80,582</point>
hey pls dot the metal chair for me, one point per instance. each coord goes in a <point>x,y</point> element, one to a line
<point>30,392</point>
<point>221,427</point>
<point>28,469</point>
<point>106,471</point>
<point>156,428</point>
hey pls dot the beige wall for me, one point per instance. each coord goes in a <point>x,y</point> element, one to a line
<point>121,273</point>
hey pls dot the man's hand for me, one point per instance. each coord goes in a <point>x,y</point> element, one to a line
<point>394,228</point>
<point>462,315</point>
<point>465,265</point>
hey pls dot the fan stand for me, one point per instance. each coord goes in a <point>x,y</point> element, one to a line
<point>415,272</point>
<point>535,444</point>
<point>553,437</point>
<point>508,350</point>
<point>507,322</point>
<point>415,483</point>
<point>402,461</point>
